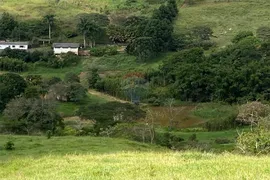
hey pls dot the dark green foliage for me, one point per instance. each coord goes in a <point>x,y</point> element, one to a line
<point>202,32</point>
<point>11,85</point>
<point>9,146</point>
<point>237,73</point>
<point>64,60</point>
<point>103,50</point>
<point>32,92</point>
<point>242,35</point>
<point>10,64</point>
<point>71,77</point>
<point>93,78</point>
<point>110,113</point>
<point>192,138</point>
<point>7,24</point>
<point>149,36</point>
<point>69,92</point>
<point>31,115</point>
<point>143,48</point>
<point>49,134</point>
<point>17,54</point>
<point>167,139</point>
<point>221,124</point>
<point>116,33</point>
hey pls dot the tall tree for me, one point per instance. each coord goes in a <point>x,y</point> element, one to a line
<point>83,27</point>
<point>89,30</point>
<point>49,18</point>
<point>7,24</point>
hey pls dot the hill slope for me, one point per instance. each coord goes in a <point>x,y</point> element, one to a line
<point>225,18</point>
<point>106,158</point>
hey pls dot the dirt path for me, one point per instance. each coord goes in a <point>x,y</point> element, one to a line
<point>106,96</point>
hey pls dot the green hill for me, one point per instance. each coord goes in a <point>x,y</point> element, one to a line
<point>106,158</point>
<point>225,18</point>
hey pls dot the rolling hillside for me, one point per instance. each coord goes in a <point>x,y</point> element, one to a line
<point>226,19</point>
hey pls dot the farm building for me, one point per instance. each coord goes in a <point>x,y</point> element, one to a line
<point>14,45</point>
<point>60,48</point>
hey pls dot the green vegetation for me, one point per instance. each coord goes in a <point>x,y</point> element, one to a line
<point>146,83</point>
<point>103,158</point>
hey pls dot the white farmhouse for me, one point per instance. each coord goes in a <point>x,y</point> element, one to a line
<point>14,45</point>
<point>60,48</point>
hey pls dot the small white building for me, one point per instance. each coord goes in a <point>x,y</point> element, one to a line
<point>59,48</point>
<point>14,45</point>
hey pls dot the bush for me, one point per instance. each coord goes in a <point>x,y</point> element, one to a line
<point>192,138</point>
<point>257,140</point>
<point>242,35</point>
<point>104,50</point>
<point>252,112</point>
<point>15,65</point>
<point>221,124</point>
<point>168,140</point>
<point>9,146</point>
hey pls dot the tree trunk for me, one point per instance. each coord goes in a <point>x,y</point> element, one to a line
<point>50,32</point>
<point>84,40</point>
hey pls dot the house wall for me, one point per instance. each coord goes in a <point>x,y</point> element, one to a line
<point>66,50</point>
<point>22,47</point>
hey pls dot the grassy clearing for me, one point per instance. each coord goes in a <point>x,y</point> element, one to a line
<point>225,18</point>
<point>214,111</point>
<point>105,158</point>
<point>124,62</point>
<point>67,109</point>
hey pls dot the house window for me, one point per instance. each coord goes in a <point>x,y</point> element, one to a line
<point>21,46</point>
<point>13,46</point>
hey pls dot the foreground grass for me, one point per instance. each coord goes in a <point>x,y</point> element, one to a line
<point>37,146</point>
<point>105,158</point>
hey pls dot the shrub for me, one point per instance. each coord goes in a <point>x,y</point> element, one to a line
<point>192,138</point>
<point>221,124</point>
<point>69,131</point>
<point>49,134</point>
<point>9,146</point>
<point>168,140</point>
<point>15,65</point>
<point>251,112</point>
<point>104,50</point>
<point>257,140</point>
<point>242,35</point>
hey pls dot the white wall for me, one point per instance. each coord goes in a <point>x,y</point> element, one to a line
<point>22,47</point>
<point>66,50</point>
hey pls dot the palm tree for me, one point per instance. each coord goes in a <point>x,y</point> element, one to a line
<point>83,27</point>
<point>89,30</point>
<point>50,20</point>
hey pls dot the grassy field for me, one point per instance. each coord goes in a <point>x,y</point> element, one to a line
<point>105,158</point>
<point>226,19</point>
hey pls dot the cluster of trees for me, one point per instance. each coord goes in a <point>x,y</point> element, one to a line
<point>10,28</point>
<point>15,65</point>
<point>147,37</point>
<point>29,104</point>
<point>16,60</point>
<point>239,72</point>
